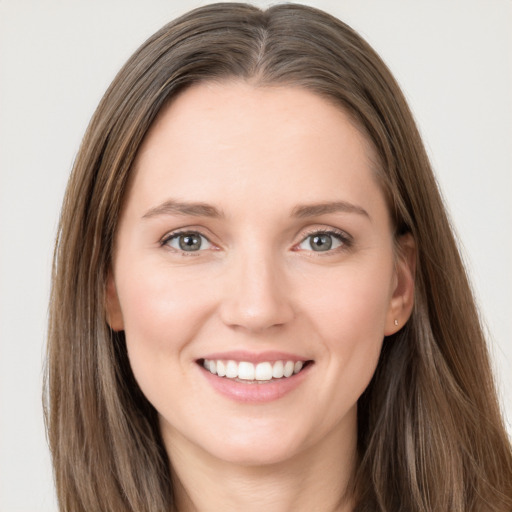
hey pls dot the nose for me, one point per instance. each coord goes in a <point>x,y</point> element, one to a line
<point>256,295</point>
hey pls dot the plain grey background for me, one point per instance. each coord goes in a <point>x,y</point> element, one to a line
<point>452,58</point>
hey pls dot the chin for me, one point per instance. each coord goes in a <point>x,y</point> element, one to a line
<point>256,442</point>
<point>254,454</point>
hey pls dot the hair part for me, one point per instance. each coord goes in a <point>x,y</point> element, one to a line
<point>430,434</point>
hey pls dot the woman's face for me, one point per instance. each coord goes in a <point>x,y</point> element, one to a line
<point>255,240</point>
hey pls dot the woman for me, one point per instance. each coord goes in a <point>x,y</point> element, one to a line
<point>257,299</point>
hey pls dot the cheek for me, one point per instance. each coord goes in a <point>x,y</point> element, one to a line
<point>349,320</point>
<point>353,302</point>
<point>161,316</point>
<point>156,301</point>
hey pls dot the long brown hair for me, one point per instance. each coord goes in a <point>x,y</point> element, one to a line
<point>430,437</point>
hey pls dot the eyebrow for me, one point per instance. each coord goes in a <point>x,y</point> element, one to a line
<point>173,207</point>
<point>313,210</point>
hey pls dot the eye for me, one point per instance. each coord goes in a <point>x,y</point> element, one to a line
<point>323,241</point>
<point>187,242</point>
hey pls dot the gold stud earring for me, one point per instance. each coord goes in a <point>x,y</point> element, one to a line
<point>396,321</point>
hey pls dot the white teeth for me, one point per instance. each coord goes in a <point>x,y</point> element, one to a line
<point>278,370</point>
<point>245,370</point>
<point>288,368</point>
<point>231,370</point>
<point>263,371</point>
<point>221,369</point>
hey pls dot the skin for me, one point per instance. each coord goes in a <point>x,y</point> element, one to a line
<point>255,154</point>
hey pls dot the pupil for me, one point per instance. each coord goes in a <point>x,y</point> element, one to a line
<point>190,242</point>
<point>322,242</point>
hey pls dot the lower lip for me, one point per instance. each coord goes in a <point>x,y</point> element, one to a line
<point>252,391</point>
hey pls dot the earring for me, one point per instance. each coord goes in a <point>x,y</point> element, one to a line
<point>396,321</point>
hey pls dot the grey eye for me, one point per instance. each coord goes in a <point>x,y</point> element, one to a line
<point>189,242</point>
<point>321,242</point>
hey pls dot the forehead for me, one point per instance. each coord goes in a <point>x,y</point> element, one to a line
<point>217,141</point>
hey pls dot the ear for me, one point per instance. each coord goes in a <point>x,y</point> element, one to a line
<point>112,306</point>
<point>402,299</point>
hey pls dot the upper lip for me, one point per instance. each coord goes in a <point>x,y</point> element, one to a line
<point>255,357</point>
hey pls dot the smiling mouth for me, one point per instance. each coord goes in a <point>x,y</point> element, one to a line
<point>247,372</point>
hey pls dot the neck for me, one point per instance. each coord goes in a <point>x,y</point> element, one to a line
<point>317,478</point>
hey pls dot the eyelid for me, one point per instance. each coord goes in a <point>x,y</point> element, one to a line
<point>345,238</point>
<point>164,241</point>
<point>184,230</point>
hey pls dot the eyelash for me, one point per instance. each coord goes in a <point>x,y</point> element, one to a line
<point>176,234</point>
<point>344,238</point>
